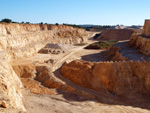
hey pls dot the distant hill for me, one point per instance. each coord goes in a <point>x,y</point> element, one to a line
<point>99,28</point>
<point>126,27</point>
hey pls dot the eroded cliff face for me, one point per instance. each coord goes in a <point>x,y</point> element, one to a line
<point>146,28</point>
<point>15,29</point>
<point>10,85</point>
<point>119,78</point>
<point>22,40</point>
<point>142,41</point>
<point>113,54</point>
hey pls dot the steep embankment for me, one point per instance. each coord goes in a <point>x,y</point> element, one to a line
<point>10,85</point>
<point>119,78</point>
<point>140,42</point>
<point>114,54</point>
<point>117,34</point>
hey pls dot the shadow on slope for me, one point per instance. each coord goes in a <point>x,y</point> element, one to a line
<point>106,97</point>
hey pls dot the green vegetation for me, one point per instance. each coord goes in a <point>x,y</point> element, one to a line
<point>101,44</point>
<point>97,28</point>
<point>72,25</point>
<point>6,20</point>
<point>82,44</point>
<point>57,24</point>
<point>94,28</point>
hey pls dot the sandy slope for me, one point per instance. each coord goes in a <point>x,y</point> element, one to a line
<point>75,104</point>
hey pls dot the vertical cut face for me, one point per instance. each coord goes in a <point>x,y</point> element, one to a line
<point>146,28</point>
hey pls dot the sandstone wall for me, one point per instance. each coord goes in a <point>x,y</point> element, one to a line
<point>113,54</point>
<point>146,28</point>
<point>10,85</point>
<point>15,29</point>
<point>141,43</point>
<point>21,40</point>
<point>119,78</point>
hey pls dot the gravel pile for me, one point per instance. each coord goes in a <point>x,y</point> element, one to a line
<point>55,48</point>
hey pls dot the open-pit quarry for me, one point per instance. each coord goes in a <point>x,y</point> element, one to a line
<point>46,69</point>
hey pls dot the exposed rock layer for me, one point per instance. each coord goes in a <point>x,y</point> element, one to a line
<point>44,77</point>
<point>141,43</point>
<point>146,28</point>
<point>113,54</point>
<point>21,40</point>
<point>10,86</point>
<point>119,78</point>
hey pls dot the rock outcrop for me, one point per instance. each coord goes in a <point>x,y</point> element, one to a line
<point>113,54</point>
<point>119,78</point>
<point>142,41</point>
<point>44,82</point>
<point>146,28</point>
<point>10,86</point>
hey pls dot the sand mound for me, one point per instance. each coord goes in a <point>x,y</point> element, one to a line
<point>117,34</point>
<point>55,48</point>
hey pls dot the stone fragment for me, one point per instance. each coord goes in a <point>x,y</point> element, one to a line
<point>4,104</point>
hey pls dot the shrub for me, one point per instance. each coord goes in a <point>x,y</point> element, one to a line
<point>57,24</point>
<point>101,44</point>
<point>6,20</point>
<point>81,44</point>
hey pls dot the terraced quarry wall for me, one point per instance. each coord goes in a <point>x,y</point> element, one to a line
<point>21,40</point>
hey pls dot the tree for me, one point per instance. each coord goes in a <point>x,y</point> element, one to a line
<point>6,20</point>
<point>41,23</point>
<point>57,24</point>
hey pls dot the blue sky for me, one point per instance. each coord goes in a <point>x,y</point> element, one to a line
<point>101,12</point>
